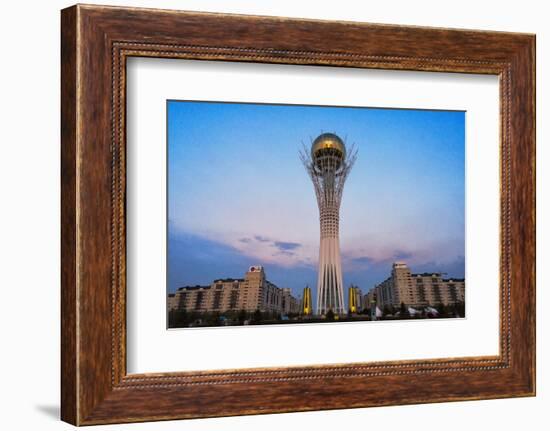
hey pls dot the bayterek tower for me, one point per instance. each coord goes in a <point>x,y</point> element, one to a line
<point>328,165</point>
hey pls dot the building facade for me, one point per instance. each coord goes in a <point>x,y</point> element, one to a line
<point>416,290</point>
<point>251,293</point>
<point>289,303</point>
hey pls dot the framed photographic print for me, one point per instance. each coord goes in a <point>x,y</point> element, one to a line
<point>277,207</point>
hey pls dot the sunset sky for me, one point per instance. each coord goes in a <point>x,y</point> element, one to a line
<point>238,194</point>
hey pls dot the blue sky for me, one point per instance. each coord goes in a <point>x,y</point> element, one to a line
<point>238,194</point>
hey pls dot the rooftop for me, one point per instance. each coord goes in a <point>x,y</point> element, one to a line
<point>228,280</point>
<point>193,287</point>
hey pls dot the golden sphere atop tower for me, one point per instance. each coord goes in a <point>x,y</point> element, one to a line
<point>328,141</point>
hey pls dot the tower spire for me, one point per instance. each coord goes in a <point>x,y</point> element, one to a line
<point>328,164</point>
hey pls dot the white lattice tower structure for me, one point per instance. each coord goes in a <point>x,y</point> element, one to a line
<point>328,165</point>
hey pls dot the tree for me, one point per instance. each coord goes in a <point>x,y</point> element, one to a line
<point>242,316</point>
<point>257,317</point>
<point>330,315</point>
<point>178,318</point>
<point>213,319</point>
<point>404,311</point>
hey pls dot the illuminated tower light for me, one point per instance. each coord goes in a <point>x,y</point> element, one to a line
<point>328,165</point>
<point>354,304</point>
<point>306,302</point>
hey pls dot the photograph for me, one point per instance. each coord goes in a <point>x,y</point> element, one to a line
<point>299,214</point>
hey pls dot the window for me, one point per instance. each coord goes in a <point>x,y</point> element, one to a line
<point>182,298</point>
<point>233,299</point>
<point>453,293</point>
<point>217,300</point>
<point>198,300</point>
